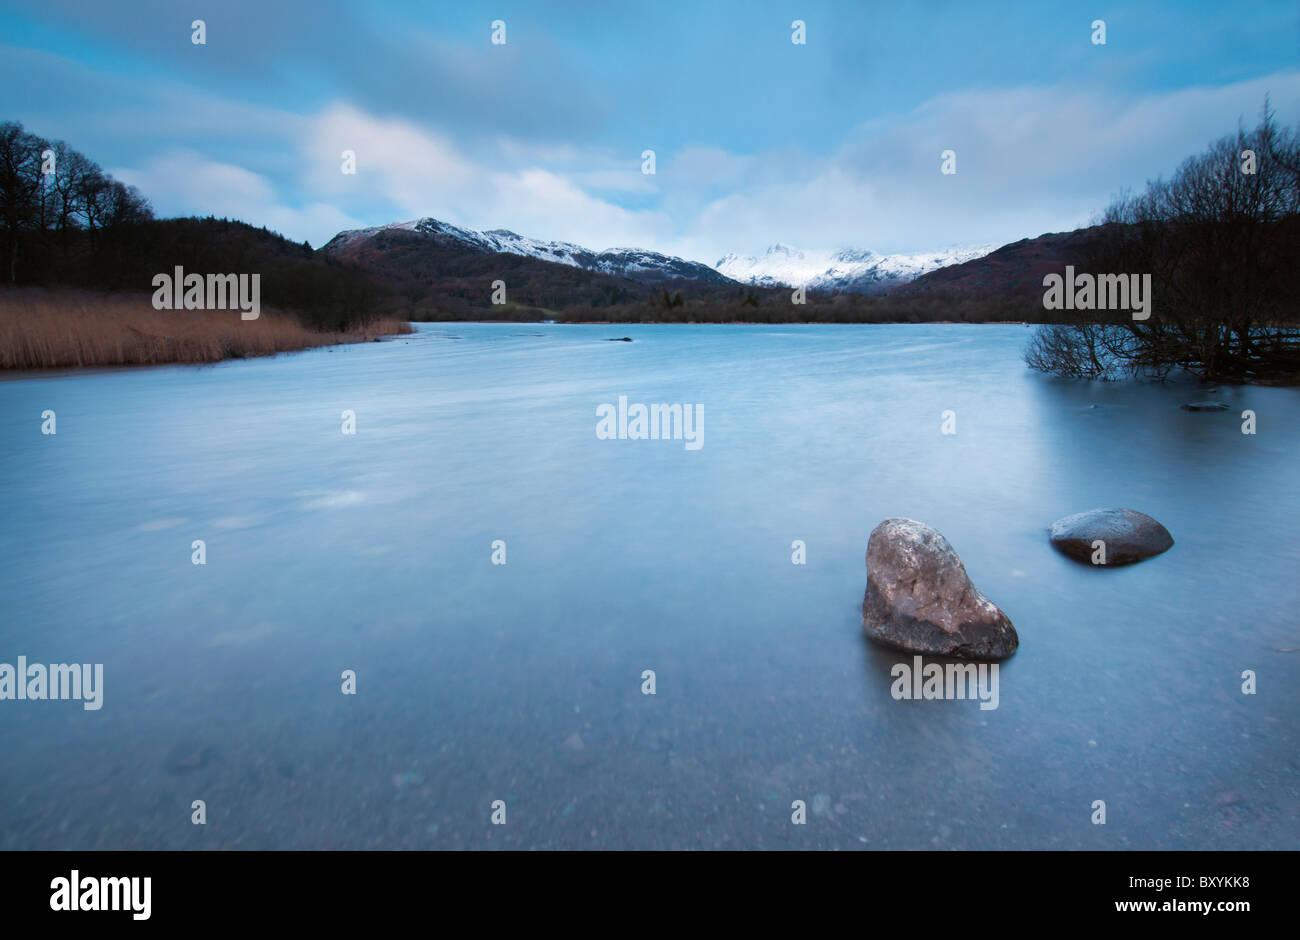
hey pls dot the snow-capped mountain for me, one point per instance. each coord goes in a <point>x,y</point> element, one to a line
<point>850,270</point>
<point>635,263</point>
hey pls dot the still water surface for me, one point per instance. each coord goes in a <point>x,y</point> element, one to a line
<point>522,682</point>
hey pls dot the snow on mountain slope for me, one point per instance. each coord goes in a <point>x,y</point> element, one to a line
<point>635,263</point>
<point>850,270</point>
<point>781,266</point>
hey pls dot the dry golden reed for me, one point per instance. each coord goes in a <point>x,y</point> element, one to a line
<point>60,328</point>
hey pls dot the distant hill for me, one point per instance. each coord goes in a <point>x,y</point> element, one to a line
<point>634,263</point>
<point>442,271</point>
<point>441,254</point>
<point>1015,270</point>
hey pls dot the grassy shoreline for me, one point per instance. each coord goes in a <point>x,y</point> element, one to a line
<point>61,328</point>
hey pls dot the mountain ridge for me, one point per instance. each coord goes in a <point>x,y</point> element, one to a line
<point>638,264</point>
<point>849,270</point>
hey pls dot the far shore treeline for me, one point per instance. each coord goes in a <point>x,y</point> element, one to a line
<point>1221,242</point>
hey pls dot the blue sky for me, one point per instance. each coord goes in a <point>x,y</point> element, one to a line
<point>831,144</point>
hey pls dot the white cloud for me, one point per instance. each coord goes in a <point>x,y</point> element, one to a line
<point>420,173</point>
<point>182,182</point>
<point>1029,160</point>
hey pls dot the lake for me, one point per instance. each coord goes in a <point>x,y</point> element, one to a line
<point>523,682</point>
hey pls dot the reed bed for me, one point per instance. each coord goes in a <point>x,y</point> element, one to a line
<point>59,328</point>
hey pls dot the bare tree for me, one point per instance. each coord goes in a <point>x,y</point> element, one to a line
<point>1221,240</point>
<point>20,187</point>
<point>35,207</point>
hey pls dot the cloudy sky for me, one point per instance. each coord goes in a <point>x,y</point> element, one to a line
<point>831,144</point>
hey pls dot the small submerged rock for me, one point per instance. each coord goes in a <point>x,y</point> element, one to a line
<point>920,599</point>
<point>188,755</point>
<point>1128,535</point>
<point>1204,406</point>
<point>410,778</point>
<point>576,750</point>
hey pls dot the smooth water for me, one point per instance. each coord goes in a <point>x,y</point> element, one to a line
<point>522,682</point>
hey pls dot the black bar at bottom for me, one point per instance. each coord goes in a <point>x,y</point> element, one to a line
<point>217,889</point>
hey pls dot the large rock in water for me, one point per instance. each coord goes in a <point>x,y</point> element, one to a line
<point>920,599</point>
<point>1129,535</point>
